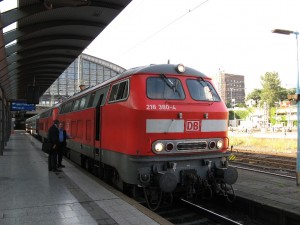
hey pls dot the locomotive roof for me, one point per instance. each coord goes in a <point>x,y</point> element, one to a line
<point>161,69</point>
<point>149,69</point>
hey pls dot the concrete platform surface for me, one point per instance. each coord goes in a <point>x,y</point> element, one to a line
<point>270,190</point>
<point>29,194</point>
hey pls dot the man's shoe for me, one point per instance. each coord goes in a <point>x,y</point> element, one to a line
<point>62,166</point>
<point>57,170</point>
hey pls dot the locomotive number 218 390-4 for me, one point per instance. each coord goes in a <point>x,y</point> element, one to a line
<point>160,107</point>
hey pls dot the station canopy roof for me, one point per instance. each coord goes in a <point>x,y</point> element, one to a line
<point>49,36</point>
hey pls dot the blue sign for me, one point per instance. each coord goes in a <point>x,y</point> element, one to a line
<point>21,106</point>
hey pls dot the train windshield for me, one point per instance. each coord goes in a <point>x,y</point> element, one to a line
<point>202,90</point>
<point>164,88</point>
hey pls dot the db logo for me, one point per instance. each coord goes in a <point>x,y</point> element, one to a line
<point>192,125</point>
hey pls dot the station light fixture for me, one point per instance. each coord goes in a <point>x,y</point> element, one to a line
<point>296,33</point>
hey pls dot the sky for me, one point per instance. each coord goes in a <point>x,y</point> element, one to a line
<point>233,36</point>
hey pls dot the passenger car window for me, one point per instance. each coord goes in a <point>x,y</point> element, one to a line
<point>202,90</point>
<point>164,88</point>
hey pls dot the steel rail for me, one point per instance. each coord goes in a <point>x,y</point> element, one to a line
<point>264,172</point>
<point>212,215</point>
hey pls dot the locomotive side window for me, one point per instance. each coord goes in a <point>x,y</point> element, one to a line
<point>83,103</point>
<point>164,88</point>
<point>91,100</point>
<point>103,95</point>
<point>68,107</point>
<point>96,98</point>
<point>63,108</point>
<point>119,91</point>
<point>202,90</point>
<point>102,91</point>
<point>113,94</point>
<point>122,91</point>
<point>76,104</point>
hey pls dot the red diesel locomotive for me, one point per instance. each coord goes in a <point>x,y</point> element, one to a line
<point>160,128</point>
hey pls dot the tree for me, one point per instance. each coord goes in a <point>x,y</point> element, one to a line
<point>271,87</point>
<point>273,116</point>
<point>239,114</point>
<point>283,94</point>
<point>228,105</point>
<point>241,105</point>
<point>255,95</point>
<point>242,114</point>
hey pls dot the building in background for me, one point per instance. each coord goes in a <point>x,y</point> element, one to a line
<point>85,71</point>
<point>231,87</point>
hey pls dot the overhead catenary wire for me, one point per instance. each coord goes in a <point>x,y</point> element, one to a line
<point>166,26</point>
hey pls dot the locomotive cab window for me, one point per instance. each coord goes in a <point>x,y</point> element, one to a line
<point>202,90</point>
<point>119,91</point>
<point>164,88</point>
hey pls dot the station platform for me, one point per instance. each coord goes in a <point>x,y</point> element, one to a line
<point>280,194</point>
<point>30,194</point>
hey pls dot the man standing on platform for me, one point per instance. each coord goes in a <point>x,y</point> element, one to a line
<point>63,136</point>
<point>53,137</point>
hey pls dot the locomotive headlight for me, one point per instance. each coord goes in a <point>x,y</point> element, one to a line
<point>219,144</point>
<point>159,147</point>
<point>180,68</point>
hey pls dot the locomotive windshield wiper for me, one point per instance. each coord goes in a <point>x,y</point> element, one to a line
<point>170,84</point>
<point>201,81</point>
<point>167,80</point>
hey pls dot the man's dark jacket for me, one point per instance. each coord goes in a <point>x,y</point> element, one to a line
<point>53,135</point>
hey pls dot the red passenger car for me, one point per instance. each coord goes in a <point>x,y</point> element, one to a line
<point>45,121</point>
<point>162,128</point>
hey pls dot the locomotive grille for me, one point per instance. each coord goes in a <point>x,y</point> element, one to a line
<point>191,146</point>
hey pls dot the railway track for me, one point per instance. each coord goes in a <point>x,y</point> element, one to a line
<point>293,177</point>
<point>265,161</point>
<point>216,212</point>
<point>185,212</point>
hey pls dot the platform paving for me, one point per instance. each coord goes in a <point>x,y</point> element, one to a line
<point>30,194</point>
<point>269,190</point>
